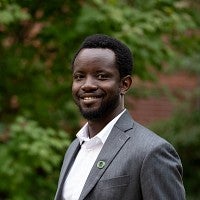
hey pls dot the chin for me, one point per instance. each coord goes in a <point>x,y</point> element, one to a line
<point>92,115</point>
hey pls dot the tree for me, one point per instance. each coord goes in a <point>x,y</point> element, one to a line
<point>37,49</point>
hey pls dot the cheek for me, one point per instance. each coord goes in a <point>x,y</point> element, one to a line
<point>74,88</point>
<point>112,93</point>
<point>113,87</point>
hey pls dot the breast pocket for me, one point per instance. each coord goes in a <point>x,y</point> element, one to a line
<point>110,189</point>
<point>121,181</point>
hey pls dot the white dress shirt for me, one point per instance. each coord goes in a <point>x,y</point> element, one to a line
<point>85,159</point>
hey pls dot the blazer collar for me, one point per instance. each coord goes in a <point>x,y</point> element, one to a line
<point>112,146</point>
<point>125,122</point>
<point>67,163</point>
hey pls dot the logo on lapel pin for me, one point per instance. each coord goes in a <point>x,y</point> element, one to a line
<point>101,164</point>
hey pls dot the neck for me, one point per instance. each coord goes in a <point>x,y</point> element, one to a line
<point>95,126</point>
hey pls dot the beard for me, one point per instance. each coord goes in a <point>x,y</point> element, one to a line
<point>104,110</point>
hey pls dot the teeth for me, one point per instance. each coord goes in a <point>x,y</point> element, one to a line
<point>89,98</point>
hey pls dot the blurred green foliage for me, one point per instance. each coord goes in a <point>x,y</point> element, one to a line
<point>147,27</point>
<point>37,42</point>
<point>30,161</point>
<point>35,53</point>
<point>36,50</point>
<point>12,13</point>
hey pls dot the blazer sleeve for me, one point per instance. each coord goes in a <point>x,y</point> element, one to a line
<point>161,174</point>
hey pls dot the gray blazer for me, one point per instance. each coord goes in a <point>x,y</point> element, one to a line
<point>138,165</point>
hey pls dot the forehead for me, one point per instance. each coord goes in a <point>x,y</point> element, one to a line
<point>95,56</point>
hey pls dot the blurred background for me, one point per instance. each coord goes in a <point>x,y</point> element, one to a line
<point>38,118</point>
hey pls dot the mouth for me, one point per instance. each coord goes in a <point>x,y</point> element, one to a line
<point>90,99</point>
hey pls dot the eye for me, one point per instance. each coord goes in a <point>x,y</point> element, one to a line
<point>78,77</point>
<point>102,76</point>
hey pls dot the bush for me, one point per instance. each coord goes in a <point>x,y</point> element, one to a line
<point>30,161</point>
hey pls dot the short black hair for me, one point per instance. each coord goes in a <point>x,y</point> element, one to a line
<point>123,55</point>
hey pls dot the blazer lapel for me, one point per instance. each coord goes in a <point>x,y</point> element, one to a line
<point>67,163</point>
<point>116,139</point>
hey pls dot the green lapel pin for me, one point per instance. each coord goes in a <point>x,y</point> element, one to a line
<point>101,164</point>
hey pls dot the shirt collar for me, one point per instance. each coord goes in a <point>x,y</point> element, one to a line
<point>82,135</point>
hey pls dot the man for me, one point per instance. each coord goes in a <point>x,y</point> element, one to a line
<point>114,157</point>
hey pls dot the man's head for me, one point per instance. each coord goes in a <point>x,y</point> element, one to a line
<point>101,77</point>
<point>123,55</point>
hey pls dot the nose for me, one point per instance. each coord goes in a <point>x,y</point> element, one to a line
<point>89,84</point>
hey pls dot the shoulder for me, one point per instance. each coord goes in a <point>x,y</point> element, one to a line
<point>140,137</point>
<point>146,136</point>
<point>151,150</point>
<point>143,140</point>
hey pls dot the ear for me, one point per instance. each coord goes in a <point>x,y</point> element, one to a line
<point>125,84</point>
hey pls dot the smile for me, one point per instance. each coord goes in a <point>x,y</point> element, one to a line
<point>89,98</point>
